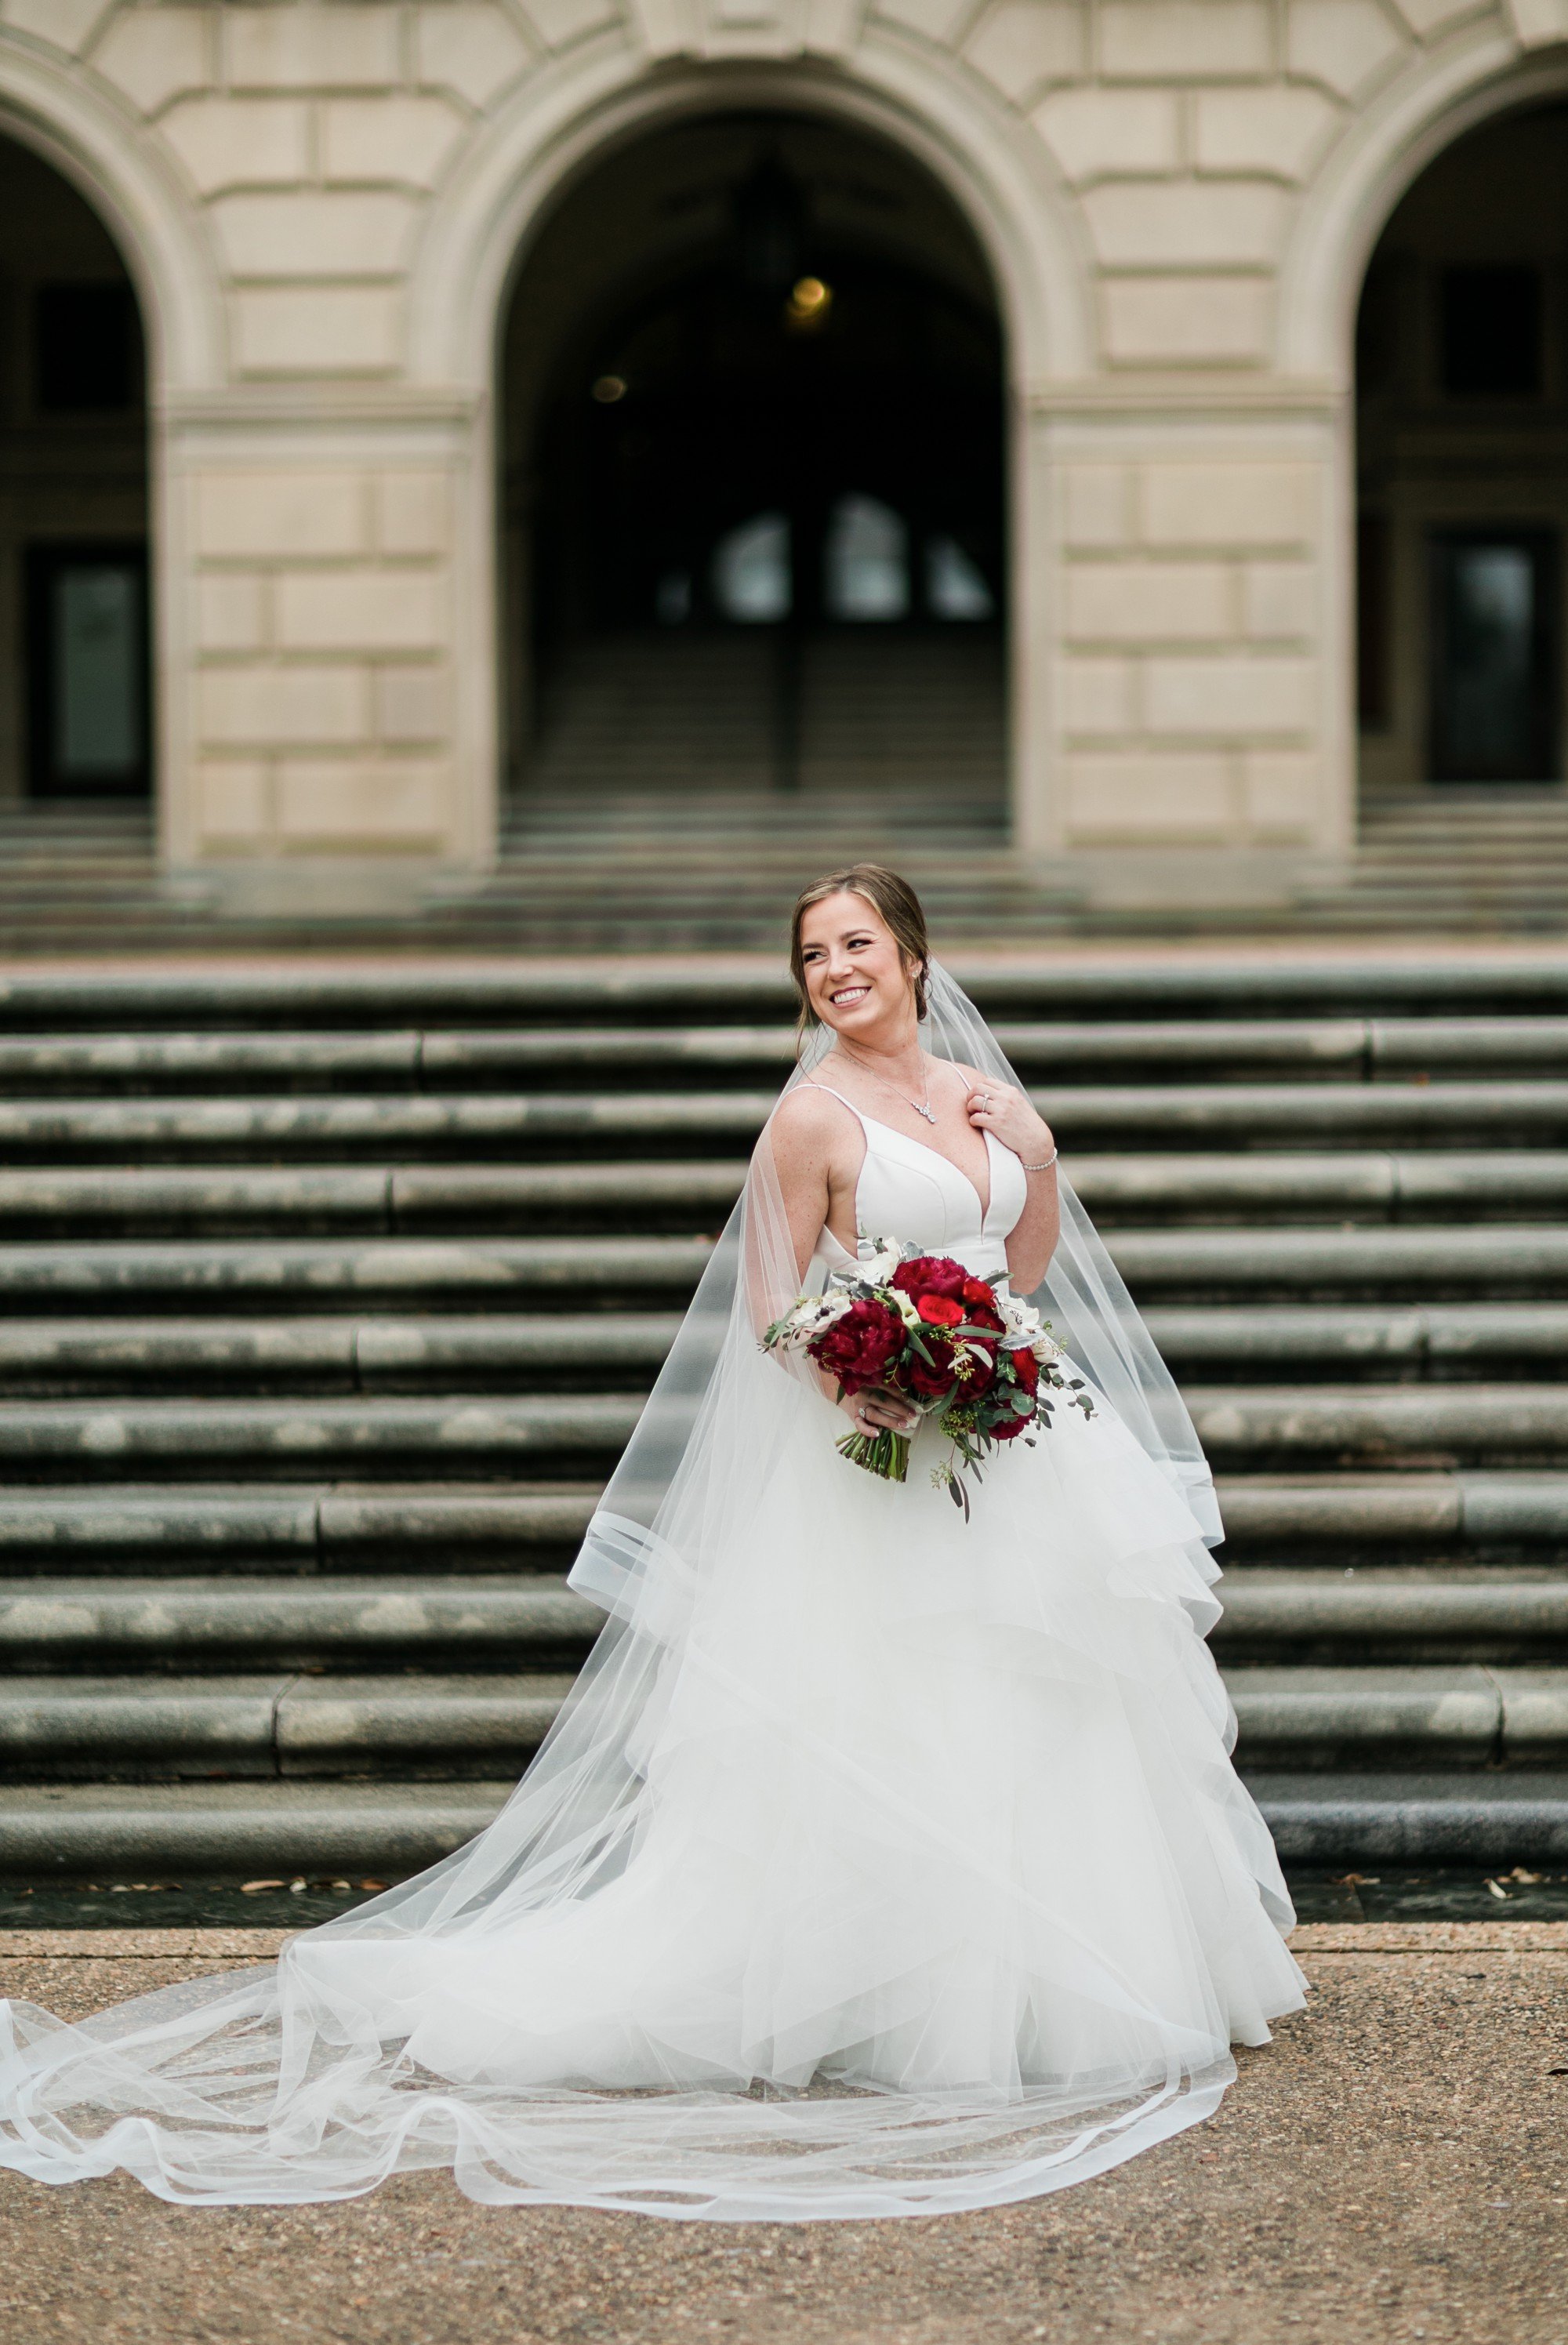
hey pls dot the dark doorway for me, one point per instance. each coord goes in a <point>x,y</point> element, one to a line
<point>759,506</point>
<point>1462,393</point>
<point>74,721</point>
<point>1493,632</point>
<point>86,670</point>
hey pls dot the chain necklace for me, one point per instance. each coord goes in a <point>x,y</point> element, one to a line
<point>927,1110</point>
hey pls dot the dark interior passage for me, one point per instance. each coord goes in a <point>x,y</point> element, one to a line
<point>75,712</point>
<point>1461,379</point>
<point>755,471</point>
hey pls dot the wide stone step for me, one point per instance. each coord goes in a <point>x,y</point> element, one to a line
<point>498,1621</point>
<point>1395,1426</point>
<point>508,1435</point>
<point>417,990</point>
<point>497,1352</point>
<point>502,1435</point>
<point>1385,1714</point>
<point>371,1200</point>
<point>562,1351</point>
<point>1356,1263</point>
<point>141,1526</point>
<point>286,1723</point>
<point>324,1273</point>
<point>320,1829</point>
<point>82,1832</point>
<point>1481,1818</point>
<point>274,1722</point>
<point>653,1194</point>
<point>604,1272</point>
<point>1442,1514</point>
<point>443,1059</point>
<point>555,1124</point>
<point>395,1620</point>
<point>1382,1614</point>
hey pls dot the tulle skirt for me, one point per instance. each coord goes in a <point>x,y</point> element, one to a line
<point>939,1891</point>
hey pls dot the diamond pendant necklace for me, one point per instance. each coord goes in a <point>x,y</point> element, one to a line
<point>927,1110</point>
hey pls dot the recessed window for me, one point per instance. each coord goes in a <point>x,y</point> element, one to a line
<point>751,572</point>
<point>88,348</point>
<point>866,562</point>
<point>1490,326</point>
<point>955,588</point>
<point>88,635</point>
<point>1494,658</point>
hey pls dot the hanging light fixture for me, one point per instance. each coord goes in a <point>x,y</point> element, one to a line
<point>769,217</point>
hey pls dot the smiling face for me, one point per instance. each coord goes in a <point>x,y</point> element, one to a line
<point>857,979</point>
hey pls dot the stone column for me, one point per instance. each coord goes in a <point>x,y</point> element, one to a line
<point>327,669</point>
<point>1185,641</point>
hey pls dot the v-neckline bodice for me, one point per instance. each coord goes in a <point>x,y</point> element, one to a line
<point>993,1143</point>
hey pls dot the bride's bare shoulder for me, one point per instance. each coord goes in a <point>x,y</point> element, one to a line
<point>810,1126</point>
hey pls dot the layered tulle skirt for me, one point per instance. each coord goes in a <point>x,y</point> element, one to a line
<point>935,1888</point>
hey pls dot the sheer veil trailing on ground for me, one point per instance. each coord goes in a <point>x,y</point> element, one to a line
<point>775,1926</point>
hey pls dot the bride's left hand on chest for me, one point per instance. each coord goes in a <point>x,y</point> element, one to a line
<point>996,1107</point>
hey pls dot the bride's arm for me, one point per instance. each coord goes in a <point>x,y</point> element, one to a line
<point>812,1139</point>
<point>807,1139</point>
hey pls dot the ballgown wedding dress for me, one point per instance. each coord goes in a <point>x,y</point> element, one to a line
<point>882,1863</point>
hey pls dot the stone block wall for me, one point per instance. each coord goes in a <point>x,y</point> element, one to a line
<point>319,199</point>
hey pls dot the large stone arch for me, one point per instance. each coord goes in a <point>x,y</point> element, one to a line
<point>1421,112</point>
<point>106,155</point>
<point>1442,94</point>
<point>989,161</point>
<point>985,157</point>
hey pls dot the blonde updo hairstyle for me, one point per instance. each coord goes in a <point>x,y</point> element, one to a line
<point>896,904</point>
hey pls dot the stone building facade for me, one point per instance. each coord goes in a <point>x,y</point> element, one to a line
<point>329,211</point>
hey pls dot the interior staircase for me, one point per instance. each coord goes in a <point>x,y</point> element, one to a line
<point>298,1431</point>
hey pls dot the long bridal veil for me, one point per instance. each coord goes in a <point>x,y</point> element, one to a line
<point>483,2016</point>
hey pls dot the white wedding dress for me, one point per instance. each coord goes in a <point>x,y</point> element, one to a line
<point>933,1885</point>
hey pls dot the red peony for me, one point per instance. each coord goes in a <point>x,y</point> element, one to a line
<point>1026,1368</point>
<point>859,1346</point>
<point>940,1311</point>
<point>932,1383</point>
<point>1007,1428</point>
<point>930,1273</point>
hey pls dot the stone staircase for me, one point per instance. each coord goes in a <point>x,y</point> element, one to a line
<point>298,1433</point>
<point>590,863</point>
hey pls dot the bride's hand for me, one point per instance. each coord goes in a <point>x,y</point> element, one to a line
<point>876,1410</point>
<point>996,1107</point>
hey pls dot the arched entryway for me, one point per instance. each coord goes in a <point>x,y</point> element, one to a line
<point>752,474</point>
<point>75,693</point>
<point>1461,398</point>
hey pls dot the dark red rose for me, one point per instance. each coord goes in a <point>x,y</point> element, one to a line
<point>930,1273</point>
<point>1026,1368</point>
<point>860,1344</point>
<point>1009,1427</point>
<point>940,1311</point>
<point>982,1314</point>
<point>974,1290</point>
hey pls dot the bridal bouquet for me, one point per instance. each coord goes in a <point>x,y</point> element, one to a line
<point>984,1364</point>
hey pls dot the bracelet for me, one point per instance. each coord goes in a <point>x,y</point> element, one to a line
<point>1045,1164</point>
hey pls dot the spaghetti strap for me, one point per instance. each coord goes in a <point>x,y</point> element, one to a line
<point>849,1104</point>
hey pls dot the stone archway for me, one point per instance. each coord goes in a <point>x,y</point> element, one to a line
<point>753,466</point>
<point>1462,491</point>
<point>76,703</point>
<point>997,175</point>
<point>149,240</point>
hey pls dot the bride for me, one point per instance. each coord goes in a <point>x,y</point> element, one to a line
<point>881,1861</point>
